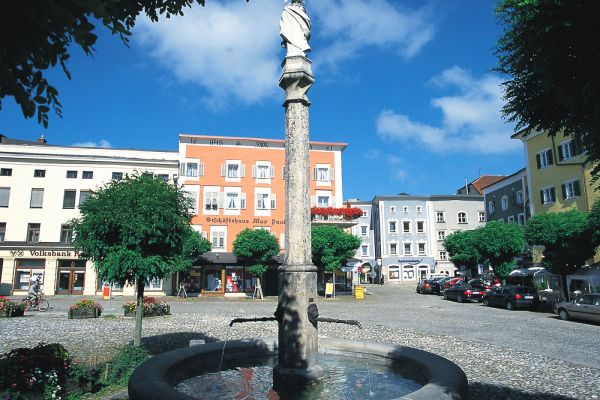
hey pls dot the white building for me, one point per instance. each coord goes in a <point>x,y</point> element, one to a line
<point>41,187</point>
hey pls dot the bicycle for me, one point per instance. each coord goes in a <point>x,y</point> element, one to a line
<point>37,304</point>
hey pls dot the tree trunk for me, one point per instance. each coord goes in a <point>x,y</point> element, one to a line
<point>139,314</point>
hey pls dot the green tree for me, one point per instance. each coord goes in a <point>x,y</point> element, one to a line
<point>461,248</point>
<point>594,224</point>
<point>499,244</point>
<point>566,238</point>
<point>549,49</point>
<point>135,230</point>
<point>36,35</point>
<point>255,247</point>
<point>331,247</point>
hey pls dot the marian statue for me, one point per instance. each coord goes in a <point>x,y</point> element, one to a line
<point>295,29</point>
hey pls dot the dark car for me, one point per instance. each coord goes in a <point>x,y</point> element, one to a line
<point>462,292</point>
<point>451,282</point>
<point>511,297</point>
<point>480,284</point>
<point>586,307</point>
<point>428,286</point>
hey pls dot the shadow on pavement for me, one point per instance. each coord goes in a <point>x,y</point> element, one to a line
<point>479,390</point>
<point>171,341</point>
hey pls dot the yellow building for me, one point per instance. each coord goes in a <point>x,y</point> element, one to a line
<point>559,176</point>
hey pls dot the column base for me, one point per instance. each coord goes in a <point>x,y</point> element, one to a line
<point>286,379</point>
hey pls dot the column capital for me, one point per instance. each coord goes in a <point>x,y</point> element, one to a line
<point>296,79</point>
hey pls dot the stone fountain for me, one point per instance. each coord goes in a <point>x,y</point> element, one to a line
<point>297,345</point>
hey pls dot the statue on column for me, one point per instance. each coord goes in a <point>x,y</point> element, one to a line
<point>295,29</point>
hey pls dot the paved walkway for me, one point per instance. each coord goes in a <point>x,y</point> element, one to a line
<point>506,355</point>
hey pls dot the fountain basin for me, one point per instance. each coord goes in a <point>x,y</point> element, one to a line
<point>156,378</point>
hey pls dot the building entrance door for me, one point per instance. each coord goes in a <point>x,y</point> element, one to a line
<point>71,277</point>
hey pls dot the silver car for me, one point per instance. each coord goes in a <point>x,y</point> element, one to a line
<point>586,307</point>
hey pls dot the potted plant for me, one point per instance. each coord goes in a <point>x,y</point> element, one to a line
<point>10,308</point>
<point>152,307</point>
<point>85,309</point>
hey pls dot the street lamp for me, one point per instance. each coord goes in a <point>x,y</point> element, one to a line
<point>378,261</point>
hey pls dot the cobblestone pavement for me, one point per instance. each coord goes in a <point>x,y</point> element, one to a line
<point>506,355</point>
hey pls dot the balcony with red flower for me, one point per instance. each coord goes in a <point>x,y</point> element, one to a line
<point>343,217</point>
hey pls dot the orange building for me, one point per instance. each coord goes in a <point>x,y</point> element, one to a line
<point>238,183</point>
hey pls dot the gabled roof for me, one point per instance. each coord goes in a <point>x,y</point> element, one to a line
<point>484,181</point>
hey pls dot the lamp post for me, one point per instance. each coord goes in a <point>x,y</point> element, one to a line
<point>378,261</point>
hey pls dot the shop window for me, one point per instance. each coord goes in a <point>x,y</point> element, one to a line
<point>27,271</point>
<point>212,280</point>
<point>394,273</point>
<point>115,287</point>
<point>154,284</point>
<point>33,233</point>
<point>408,272</point>
<point>237,280</point>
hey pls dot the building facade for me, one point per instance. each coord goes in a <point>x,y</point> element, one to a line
<point>508,199</point>
<point>41,188</point>
<point>238,183</point>
<point>364,264</point>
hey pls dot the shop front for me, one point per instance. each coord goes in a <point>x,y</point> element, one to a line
<point>407,269</point>
<point>71,277</point>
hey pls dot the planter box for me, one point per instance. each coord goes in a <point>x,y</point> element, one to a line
<point>12,312</point>
<point>84,313</point>
<point>150,314</point>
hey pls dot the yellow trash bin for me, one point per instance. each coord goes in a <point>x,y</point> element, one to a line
<point>359,292</point>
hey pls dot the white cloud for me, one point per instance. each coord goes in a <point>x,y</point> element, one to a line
<point>102,143</point>
<point>471,119</point>
<point>232,50</point>
<point>351,25</point>
<point>393,163</point>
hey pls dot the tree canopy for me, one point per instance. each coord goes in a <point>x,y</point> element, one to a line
<point>37,34</point>
<point>331,246</point>
<point>499,244</point>
<point>549,48</point>
<point>255,247</point>
<point>462,249</point>
<point>135,230</point>
<point>566,238</point>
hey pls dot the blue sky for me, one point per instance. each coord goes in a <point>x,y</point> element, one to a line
<point>407,84</point>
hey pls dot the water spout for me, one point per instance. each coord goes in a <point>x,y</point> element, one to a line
<point>258,319</point>
<point>341,321</point>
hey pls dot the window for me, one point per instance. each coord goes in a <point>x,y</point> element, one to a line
<point>164,177</point>
<point>421,248</point>
<point>462,217</point>
<point>363,230</point>
<point>33,233</point>
<point>263,170</point>
<point>521,219</point>
<point>407,249</point>
<point>66,233</point>
<point>405,226</point>
<point>405,209</point>
<point>211,201</point>
<point>544,159</point>
<point>392,226</point>
<point>548,195</point>
<point>394,273</point>
<point>69,198</point>
<point>87,175</point>
<point>441,235</point>
<point>491,207</point>
<point>364,250</point>
<point>71,174</point>
<point>520,198</point>
<point>322,173</point>
<point>393,249</point>
<point>5,171</point>
<point>261,201</point>
<point>231,201</point>
<point>364,214</point>
<point>273,201</point>
<point>420,226</point>
<point>83,196</point>
<point>322,201</point>
<point>570,190</point>
<point>440,217</point>
<point>504,203</point>
<point>2,231</point>
<point>39,173</point>
<point>393,209</point>
<point>4,196</point>
<point>566,150</point>
<point>442,255</point>
<point>419,209</point>
<point>233,170</point>
<point>192,168</point>
<point>27,270</point>
<point>218,240</point>
<point>37,198</point>
<point>153,284</point>
<point>481,216</point>
<point>117,176</point>
<point>510,219</point>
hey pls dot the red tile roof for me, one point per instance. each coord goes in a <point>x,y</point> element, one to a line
<point>484,181</point>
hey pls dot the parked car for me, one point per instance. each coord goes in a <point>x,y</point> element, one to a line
<point>428,286</point>
<point>451,282</point>
<point>511,297</point>
<point>462,292</point>
<point>480,284</point>
<point>586,307</point>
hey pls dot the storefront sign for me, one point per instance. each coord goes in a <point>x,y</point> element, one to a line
<point>245,221</point>
<point>45,253</point>
<point>410,261</point>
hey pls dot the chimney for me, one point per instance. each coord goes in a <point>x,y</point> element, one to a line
<point>41,139</point>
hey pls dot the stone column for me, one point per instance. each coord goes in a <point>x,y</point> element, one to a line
<point>298,339</point>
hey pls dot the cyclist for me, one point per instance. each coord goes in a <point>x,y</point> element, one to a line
<point>34,291</point>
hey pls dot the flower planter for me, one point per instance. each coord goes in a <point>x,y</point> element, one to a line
<point>84,313</point>
<point>12,309</point>
<point>154,313</point>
